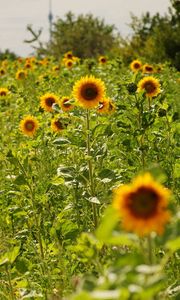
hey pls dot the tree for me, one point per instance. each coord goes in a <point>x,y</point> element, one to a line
<point>155,38</point>
<point>84,35</point>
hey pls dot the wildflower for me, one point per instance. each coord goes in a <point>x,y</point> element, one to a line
<point>142,205</point>
<point>47,101</point>
<point>29,125</point>
<point>136,65</point>
<point>150,85</point>
<point>89,91</point>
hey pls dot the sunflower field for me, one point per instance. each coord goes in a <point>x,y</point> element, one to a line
<point>89,179</point>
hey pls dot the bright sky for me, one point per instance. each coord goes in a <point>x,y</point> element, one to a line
<point>16,14</point>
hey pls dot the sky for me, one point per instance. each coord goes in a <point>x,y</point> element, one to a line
<point>15,15</point>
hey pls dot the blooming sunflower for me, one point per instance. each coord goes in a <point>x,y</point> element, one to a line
<point>150,85</point>
<point>57,125</point>
<point>21,74</point>
<point>142,205</point>
<point>147,69</point>
<point>89,91</point>
<point>65,105</point>
<point>68,63</point>
<point>68,55</point>
<point>136,65</point>
<point>4,92</point>
<point>102,60</point>
<point>29,125</point>
<point>47,101</point>
<point>106,106</point>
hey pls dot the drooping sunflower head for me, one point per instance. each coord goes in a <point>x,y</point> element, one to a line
<point>4,92</point>
<point>89,91</point>
<point>102,60</point>
<point>150,85</point>
<point>29,125</point>
<point>136,65</point>
<point>147,69</point>
<point>142,205</point>
<point>57,125</point>
<point>47,101</point>
<point>106,106</point>
<point>21,74</point>
<point>65,104</point>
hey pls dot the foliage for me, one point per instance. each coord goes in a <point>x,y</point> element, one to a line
<point>85,35</point>
<point>7,54</point>
<point>60,236</point>
<point>155,37</point>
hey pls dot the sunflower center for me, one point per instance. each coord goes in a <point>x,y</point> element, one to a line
<point>21,75</point>
<point>149,87</point>
<point>143,203</point>
<point>89,92</point>
<point>136,66</point>
<point>103,60</point>
<point>66,104</point>
<point>3,93</point>
<point>58,124</point>
<point>29,125</point>
<point>149,69</point>
<point>50,101</point>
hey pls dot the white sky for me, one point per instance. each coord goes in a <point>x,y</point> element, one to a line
<point>16,14</point>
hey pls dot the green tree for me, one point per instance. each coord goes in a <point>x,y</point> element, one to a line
<point>156,38</point>
<point>85,35</point>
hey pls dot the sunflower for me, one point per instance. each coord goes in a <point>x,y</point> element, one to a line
<point>89,91</point>
<point>136,65</point>
<point>68,55</point>
<point>65,105</point>
<point>150,85</point>
<point>29,125</point>
<point>142,205</point>
<point>57,125</point>
<point>3,92</point>
<point>102,60</point>
<point>68,63</point>
<point>2,72</point>
<point>106,106</point>
<point>147,69</point>
<point>47,101</point>
<point>21,74</point>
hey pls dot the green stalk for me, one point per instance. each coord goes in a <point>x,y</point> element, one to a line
<point>9,281</point>
<point>91,181</point>
<point>150,249</point>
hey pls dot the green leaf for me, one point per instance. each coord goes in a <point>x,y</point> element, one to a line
<point>94,200</point>
<point>109,221</point>
<point>20,180</point>
<point>173,245</point>
<point>61,141</point>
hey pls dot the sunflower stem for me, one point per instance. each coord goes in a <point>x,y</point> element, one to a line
<point>91,181</point>
<point>150,249</point>
<point>10,284</point>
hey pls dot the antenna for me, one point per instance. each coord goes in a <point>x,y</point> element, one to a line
<point>50,17</point>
